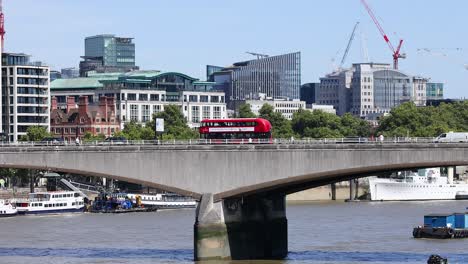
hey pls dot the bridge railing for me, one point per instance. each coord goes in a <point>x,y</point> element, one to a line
<point>289,141</point>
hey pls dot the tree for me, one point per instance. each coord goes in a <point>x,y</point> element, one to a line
<point>281,127</point>
<point>175,124</point>
<point>35,133</point>
<point>316,124</point>
<point>89,137</point>
<point>245,111</point>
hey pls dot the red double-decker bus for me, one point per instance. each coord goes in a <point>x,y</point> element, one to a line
<point>247,130</point>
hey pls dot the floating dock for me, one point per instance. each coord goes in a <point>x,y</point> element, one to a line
<point>443,226</point>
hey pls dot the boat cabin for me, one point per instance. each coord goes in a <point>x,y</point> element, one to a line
<point>439,220</point>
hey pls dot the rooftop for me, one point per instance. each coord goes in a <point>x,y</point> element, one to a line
<point>80,83</point>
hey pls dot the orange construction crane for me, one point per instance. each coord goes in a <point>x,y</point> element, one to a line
<point>396,53</point>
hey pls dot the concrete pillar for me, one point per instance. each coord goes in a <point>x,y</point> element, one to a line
<point>241,228</point>
<point>333,191</point>
<point>450,175</point>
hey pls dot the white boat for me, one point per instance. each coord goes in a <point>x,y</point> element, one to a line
<point>427,184</point>
<point>160,200</point>
<point>51,203</point>
<point>7,209</point>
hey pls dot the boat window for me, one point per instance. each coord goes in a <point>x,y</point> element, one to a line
<point>40,204</point>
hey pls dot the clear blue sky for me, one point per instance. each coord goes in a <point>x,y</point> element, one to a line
<point>185,35</point>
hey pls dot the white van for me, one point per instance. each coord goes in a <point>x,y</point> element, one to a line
<point>453,137</point>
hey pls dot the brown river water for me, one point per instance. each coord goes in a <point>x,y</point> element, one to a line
<point>319,232</point>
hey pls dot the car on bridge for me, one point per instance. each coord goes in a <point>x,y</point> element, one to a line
<point>51,141</point>
<point>115,141</point>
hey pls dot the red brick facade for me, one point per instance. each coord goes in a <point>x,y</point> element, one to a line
<point>76,120</point>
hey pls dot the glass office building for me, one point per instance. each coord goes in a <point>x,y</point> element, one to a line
<point>275,76</point>
<point>435,91</point>
<point>114,51</point>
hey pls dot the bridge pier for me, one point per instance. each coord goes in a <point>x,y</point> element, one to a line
<point>241,228</point>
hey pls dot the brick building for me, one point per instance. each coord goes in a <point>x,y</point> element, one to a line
<point>76,119</point>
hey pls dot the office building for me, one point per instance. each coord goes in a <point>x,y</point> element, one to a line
<point>286,108</point>
<point>54,75</point>
<point>68,73</point>
<point>419,93</point>
<point>108,53</point>
<point>140,94</point>
<point>278,77</point>
<point>25,95</point>
<point>434,91</point>
<point>335,89</point>
<point>369,90</point>
<point>309,92</point>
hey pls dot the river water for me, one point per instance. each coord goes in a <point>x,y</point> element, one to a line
<point>322,232</point>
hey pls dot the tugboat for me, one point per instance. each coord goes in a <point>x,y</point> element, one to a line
<point>7,209</point>
<point>443,226</point>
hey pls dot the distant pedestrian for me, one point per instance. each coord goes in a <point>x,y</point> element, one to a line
<point>2,183</point>
<point>381,138</point>
<point>77,141</point>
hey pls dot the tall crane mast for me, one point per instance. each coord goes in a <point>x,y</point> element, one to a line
<point>396,53</point>
<point>349,45</point>
<point>2,25</point>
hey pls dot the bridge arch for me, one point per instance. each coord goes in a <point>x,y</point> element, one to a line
<point>299,183</point>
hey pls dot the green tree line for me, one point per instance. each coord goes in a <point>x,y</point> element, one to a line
<point>310,124</point>
<point>430,121</point>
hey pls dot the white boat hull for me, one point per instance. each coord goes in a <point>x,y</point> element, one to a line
<point>387,190</point>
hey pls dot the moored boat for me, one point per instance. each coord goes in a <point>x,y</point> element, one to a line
<point>427,184</point>
<point>7,209</point>
<point>51,203</point>
<point>159,201</point>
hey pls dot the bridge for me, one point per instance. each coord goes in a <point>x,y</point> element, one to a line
<point>241,188</point>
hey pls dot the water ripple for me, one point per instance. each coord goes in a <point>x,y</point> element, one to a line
<point>124,253</point>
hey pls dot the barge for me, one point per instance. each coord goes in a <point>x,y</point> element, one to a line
<point>443,226</point>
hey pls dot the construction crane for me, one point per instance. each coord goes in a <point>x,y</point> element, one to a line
<point>349,45</point>
<point>396,52</point>
<point>2,25</point>
<point>444,54</point>
<point>259,56</point>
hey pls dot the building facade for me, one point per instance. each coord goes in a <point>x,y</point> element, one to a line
<point>141,94</point>
<point>25,95</point>
<point>81,117</point>
<point>68,73</point>
<point>286,108</point>
<point>369,90</point>
<point>108,53</point>
<point>434,91</point>
<point>335,89</point>
<point>276,76</point>
<point>309,92</point>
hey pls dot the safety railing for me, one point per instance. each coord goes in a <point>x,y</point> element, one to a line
<point>278,141</point>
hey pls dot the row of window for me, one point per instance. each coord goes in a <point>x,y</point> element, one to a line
<point>55,205</point>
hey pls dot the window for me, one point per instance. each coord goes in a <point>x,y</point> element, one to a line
<point>154,97</point>
<point>193,98</point>
<point>131,97</point>
<point>204,98</point>
<point>143,97</point>
<point>145,113</point>
<point>133,112</point>
<point>216,112</point>
<point>157,108</point>
<point>205,112</point>
<point>215,99</point>
<point>195,114</point>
